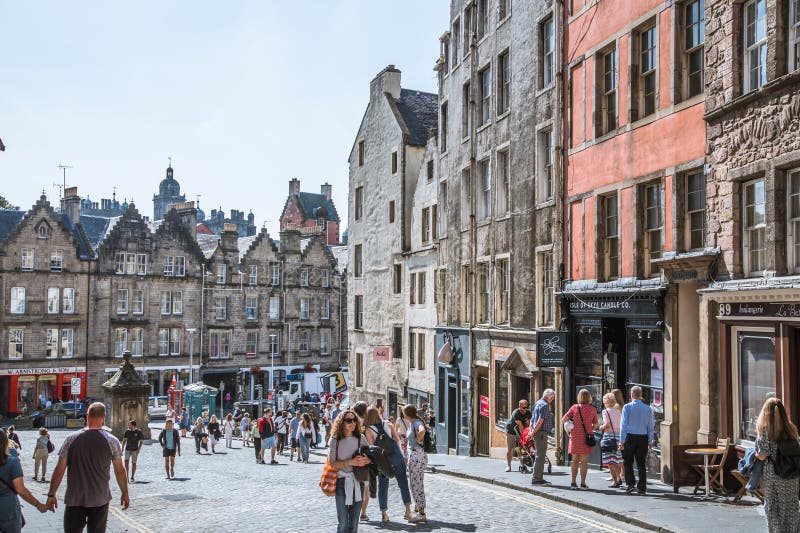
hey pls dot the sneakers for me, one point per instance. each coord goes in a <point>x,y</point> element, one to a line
<point>630,490</point>
<point>418,518</point>
<point>573,486</point>
<point>273,462</point>
<point>385,517</point>
<point>540,482</point>
<point>408,516</point>
<point>508,468</point>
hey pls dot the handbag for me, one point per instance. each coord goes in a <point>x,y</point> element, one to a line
<point>569,425</point>
<point>591,440</point>
<point>609,444</point>
<point>327,482</point>
<point>50,445</point>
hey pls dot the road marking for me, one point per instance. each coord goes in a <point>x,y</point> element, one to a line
<point>123,517</point>
<point>555,510</point>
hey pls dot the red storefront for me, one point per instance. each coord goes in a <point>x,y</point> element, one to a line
<point>28,388</point>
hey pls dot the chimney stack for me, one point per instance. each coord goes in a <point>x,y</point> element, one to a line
<point>387,81</point>
<point>327,190</point>
<point>229,238</point>
<point>290,241</point>
<point>188,215</point>
<point>294,187</point>
<point>71,204</point>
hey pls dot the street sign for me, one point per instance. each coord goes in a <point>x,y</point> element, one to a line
<point>551,348</point>
<point>76,386</point>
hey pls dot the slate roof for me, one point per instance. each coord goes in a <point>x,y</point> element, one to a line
<point>208,244</point>
<point>420,113</point>
<point>9,218</point>
<point>342,255</point>
<point>310,202</point>
<point>96,228</point>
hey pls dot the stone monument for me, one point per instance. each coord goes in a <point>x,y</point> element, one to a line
<point>127,397</point>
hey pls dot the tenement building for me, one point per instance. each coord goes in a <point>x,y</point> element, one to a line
<point>310,213</point>
<point>634,213</point>
<point>750,315</point>
<point>391,253</point>
<point>499,180</point>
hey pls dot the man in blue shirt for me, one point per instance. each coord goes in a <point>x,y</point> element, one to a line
<point>541,426</point>
<point>636,433</point>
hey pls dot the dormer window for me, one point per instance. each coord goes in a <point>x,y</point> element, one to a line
<point>321,224</point>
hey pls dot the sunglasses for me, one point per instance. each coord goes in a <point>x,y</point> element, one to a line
<point>350,420</point>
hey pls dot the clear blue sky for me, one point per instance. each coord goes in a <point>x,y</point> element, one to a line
<point>242,95</point>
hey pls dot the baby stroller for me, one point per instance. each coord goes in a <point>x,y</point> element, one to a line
<point>527,453</point>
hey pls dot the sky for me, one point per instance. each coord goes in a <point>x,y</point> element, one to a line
<point>243,96</point>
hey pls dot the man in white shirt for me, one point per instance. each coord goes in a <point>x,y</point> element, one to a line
<point>280,423</point>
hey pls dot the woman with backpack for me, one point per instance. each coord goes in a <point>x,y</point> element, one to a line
<point>41,453</point>
<point>776,433</point>
<point>306,434</point>
<point>417,460</point>
<point>382,433</point>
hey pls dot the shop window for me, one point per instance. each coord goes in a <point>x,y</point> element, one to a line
<point>500,393</point>
<point>589,361</point>
<point>695,210</point>
<point>793,222</point>
<point>484,293</point>
<point>646,367</point>
<point>754,379</point>
<point>755,228</point>
<point>755,44</point>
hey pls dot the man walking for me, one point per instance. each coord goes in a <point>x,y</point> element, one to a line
<point>520,418</point>
<point>132,443</point>
<point>542,425</point>
<point>266,427</point>
<point>171,444</point>
<point>87,456</point>
<point>636,433</point>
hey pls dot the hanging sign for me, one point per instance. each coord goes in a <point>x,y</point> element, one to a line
<point>551,348</point>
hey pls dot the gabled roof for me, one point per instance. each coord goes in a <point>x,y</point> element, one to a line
<point>255,242</point>
<point>308,246</point>
<point>96,228</point>
<point>420,113</point>
<point>310,202</point>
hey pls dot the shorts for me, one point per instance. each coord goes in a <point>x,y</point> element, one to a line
<point>268,442</point>
<point>131,455</point>
<point>295,444</point>
<point>511,441</point>
<point>169,453</point>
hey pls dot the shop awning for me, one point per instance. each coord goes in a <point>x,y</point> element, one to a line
<point>519,360</point>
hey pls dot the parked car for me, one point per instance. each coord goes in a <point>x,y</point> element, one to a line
<point>71,409</point>
<point>157,407</point>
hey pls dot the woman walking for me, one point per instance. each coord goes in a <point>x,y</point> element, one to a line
<point>245,429</point>
<point>214,434</point>
<point>227,428</point>
<point>611,455</point>
<point>11,485</point>
<point>374,427</point>
<point>198,432</point>
<point>417,460</point>
<point>306,434</point>
<point>780,494</point>
<point>184,422</point>
<point>584,417</point>
<point>345,440</point>
<point>41,453</point>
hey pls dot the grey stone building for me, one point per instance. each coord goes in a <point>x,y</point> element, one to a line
<point>500,208</point>
<point>169,192</point>
<point>216,221</point>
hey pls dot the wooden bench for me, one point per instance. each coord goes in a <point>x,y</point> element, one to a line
<point>758,493</point>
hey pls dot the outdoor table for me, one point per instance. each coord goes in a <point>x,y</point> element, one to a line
<point>706,453</point>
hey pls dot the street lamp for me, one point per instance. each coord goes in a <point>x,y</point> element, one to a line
<point>191,332</point>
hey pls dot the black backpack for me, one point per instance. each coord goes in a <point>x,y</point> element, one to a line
<point>427,442</point>
<point>787,460</point>
<point>383,440</point>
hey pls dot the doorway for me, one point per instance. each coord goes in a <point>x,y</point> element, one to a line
<point>452,412</point>
<point>482,437</point>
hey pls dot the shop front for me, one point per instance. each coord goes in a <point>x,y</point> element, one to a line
<point>453,397</point>
<point>27,389</point>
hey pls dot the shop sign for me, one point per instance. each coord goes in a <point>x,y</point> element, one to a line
<point>382,353</point>
<point>484,406</point>
<point>35,371</point>
<point>613,306</point>
<point>759,309</point>
<point>551,348</point>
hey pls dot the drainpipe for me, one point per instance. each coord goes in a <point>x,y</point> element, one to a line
<point>473,244</point>
<point>560,133</point>
<point>88,311</point>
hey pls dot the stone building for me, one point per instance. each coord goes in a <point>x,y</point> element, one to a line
<point>499,192</point>
<point>217,221</point>
<point>386,162</point>
<point>311,213</point>
<point>106,207</point>
<point>169,192</point>
<point>750,315</point>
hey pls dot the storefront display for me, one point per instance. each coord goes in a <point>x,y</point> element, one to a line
<point>32,388</point>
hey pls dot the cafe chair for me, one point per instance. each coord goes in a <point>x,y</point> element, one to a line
<point>716,469</point>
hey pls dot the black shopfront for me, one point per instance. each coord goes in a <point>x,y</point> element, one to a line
<point>616,341</point>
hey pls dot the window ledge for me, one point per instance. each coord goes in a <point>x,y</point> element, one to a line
<point>547,203</point>
<point>483,126</point>
<point>644,121</point>
<point>545,89</point>
<point>689,102</point>
<point>464,139</point>
<point>503,115</point>
<point>484,222</point>
<point>504,20</point>
<point>505,216</point>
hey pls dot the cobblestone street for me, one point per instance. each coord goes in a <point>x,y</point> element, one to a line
<point>230,492</point>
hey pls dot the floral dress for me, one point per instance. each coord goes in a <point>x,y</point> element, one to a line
<point>780,495</point>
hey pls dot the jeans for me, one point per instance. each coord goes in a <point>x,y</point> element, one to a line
<point>635,448</point>
<point>94,519</point>
<point>400,475</point>
<point>197,441</point>
<point>257,447</point>
<point>304,445</point>
<point>347,515</point>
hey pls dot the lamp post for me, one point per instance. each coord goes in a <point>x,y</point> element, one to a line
<point>191,332</point>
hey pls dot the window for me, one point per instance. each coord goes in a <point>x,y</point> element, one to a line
<point>426,225</point>
<point>166,303</point>
<point>325,309</point>
<point>321,224</point>
<point>219,344</point>
<point>130,264</point>
<point>793,222</point>
<point>794,35</point>
<point>51,343</point>
<point>17,300</point>
<point>484,293</point>
<point>445,53</point>
<point>755,228</point>
<point>443,130</point>
<point>304,337</point>
<point>27,259</point>
<point>251,344</point>
<point>466,190</point>
<point>67,338</point>
<point>274,344</point>
<point>180,266</point>
<point>359,369</point>
<point>503,9</point>
<point>119,262</point>
<point>15,343</point>
<point>141,264</point>
<point>56,260</point>
<point>693,47</point>
<point>412,289</point>
<point>137,342</point>
<point>358,203</point>
<point>503,183</point>
<point>175,341</point>
<point>434,221</point>
<point>325,276</point>
<point>454,44</point>
<point>653,222</point>
<point>358,316</point>
<point>695,210</point>
<point>442,220</point>
<point>177,303</point>
<point>394,162</point>
<point>68,300</point>
<point>304,277</point>
<point>467,30</point>
<point>222,273</point>
<point>397,342</point>
<point>122,301</point>
<point>546,165</point>
<point>755,379</point>
<point>483,18</point>
<point>137,302</point>
<point>503,83</point>
<point>274,308</point>
<point>324,342</point>
<point>357,257</point>
<point>755,44</point>
<point>391,211</point>
<point>53,299</point>
<point>120,341</point>
<point>610,237</point>
<point>361,153</point>
<point>43,232</point>
<point>251,307</point>
<point>548,44</point>
<point>607,110</point>
<point>220,307</point>
<point>440,293</point>
<point>546,288</point>
<point>466,116</point>
<point>397,278</point>
<point>169,265</point>
<point>275,275</point>
<point>304,308</point>
<point>466,293</point>
<point>503,280</point>
<point>485,192</point>
<point>412,349</point>
<point>429,170</point>
<point>648,78</point>
<point>485,102</point>
<point>421,352</point>
<point>421,289</point>
<point>501,392</point>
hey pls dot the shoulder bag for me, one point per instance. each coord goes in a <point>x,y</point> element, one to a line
<point>609,444</point>
<point>591,440</point>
